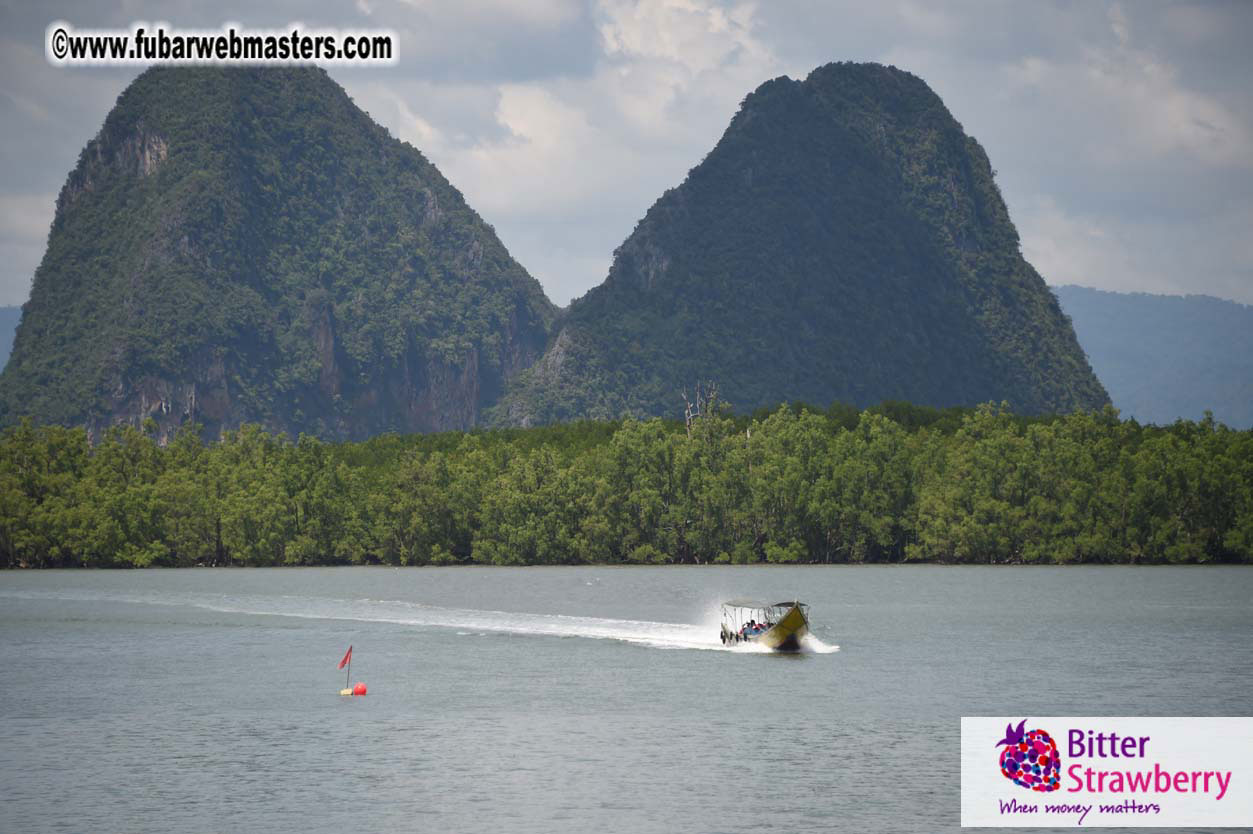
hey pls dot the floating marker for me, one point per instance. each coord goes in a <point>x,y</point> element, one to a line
<point>359,688</point>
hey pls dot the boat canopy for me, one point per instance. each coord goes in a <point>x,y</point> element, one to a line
<point>737,612</point>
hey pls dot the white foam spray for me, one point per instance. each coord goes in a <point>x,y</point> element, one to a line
<point>465,622</point>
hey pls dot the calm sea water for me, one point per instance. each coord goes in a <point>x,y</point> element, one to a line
<point>569,699</point>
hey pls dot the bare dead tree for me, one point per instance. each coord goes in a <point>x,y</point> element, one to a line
<point>706,397</point>
<point>691,410</point>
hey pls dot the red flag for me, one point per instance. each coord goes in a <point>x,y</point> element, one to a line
<point>347,657</point>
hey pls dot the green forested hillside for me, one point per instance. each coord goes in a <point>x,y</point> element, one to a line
<point>244,245</point>
<point>889,484</point>
<point>247,245</point>
<point>1165,357</point>
<point>845,240</point>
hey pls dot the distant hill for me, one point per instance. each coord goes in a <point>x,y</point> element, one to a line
<point>247,245</point>
<point>1165,357</point>
<point>9,317</point>
<point>844,240</point>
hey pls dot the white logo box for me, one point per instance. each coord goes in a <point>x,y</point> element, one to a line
<point>1155,773</point>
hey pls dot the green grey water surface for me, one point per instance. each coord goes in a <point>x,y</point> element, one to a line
<point>569,699</point>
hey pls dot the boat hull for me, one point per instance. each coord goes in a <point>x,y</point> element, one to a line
<point>786,634</point>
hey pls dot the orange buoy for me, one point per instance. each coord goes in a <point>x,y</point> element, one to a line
<point>359,689</point>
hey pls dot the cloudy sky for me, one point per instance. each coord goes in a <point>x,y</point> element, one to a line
<point>1122,134</point>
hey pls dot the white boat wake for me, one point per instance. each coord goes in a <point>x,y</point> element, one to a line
<point>465,622</point>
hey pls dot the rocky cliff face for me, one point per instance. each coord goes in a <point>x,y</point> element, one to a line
<point>845,241</point>
<point>242,245</point>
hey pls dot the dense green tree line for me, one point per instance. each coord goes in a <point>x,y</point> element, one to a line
<point>889,484</point>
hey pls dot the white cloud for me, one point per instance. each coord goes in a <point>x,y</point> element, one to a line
<point>24,223</point>
<point>396,112</point>
<point>1124,146</point>
<point>1145,255</point>
<point>1156,113</point>
<point>1066,249</point>
<point>1124,105</point>
<point>1121,170</point>
<point>602,144</point>
<point>931,20</point>
<point>1118,23</point>
<point>694,35</point>
<point>27,216</point>
<point>540,12</point>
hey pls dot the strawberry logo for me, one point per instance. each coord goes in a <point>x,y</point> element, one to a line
<point>1030,759</point>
